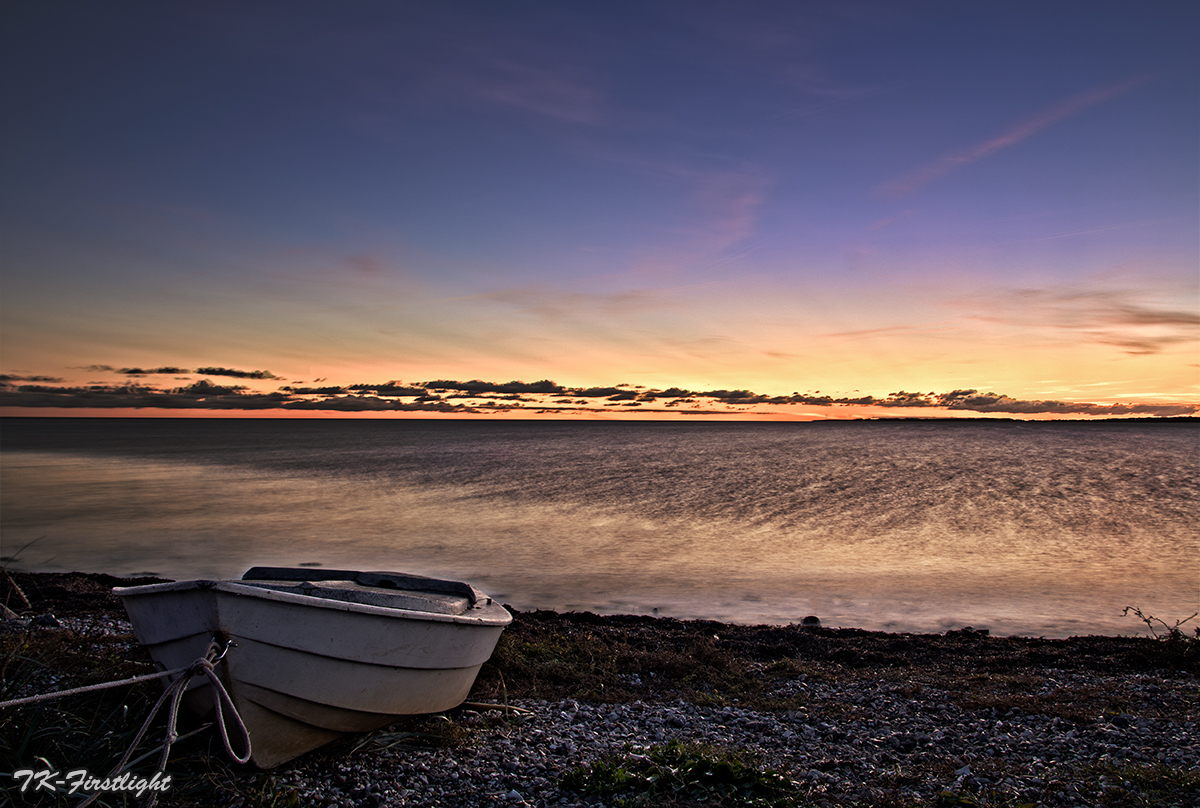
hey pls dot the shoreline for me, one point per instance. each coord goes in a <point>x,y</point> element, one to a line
<point>849,716</point>
<point>1130,626</point>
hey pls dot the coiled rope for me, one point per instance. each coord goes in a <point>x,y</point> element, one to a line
<point>204,666</point>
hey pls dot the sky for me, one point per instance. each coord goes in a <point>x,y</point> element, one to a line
<point>702,209</point>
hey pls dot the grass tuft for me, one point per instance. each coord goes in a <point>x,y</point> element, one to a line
<point>89,731</point>
<point>682,774</point>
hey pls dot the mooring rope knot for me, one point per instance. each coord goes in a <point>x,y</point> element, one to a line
<point>204,666</point>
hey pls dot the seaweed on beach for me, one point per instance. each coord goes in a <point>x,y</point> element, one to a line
<point>621,658</point>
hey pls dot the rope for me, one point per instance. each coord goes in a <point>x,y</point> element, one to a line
<point>104,686</point>
<point>204,666</point>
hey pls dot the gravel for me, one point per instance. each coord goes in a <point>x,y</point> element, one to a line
<point>887,746</point>
<point>869,736</point>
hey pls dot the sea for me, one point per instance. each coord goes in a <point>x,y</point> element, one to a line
<point>1023,528</point>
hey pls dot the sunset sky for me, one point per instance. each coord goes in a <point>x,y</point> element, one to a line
<point>758,209</point>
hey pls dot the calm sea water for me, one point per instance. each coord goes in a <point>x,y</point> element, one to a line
<point>1023,528</point>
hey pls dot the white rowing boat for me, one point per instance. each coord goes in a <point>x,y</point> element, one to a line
<point>318,653</point>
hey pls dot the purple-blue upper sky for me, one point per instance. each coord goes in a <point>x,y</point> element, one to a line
<point>857,198</point>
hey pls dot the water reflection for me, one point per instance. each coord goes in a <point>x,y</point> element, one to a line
<point>878,532</point>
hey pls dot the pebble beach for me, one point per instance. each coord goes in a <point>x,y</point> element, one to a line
<point>848,717</point>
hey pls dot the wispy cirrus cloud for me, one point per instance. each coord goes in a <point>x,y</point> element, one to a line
<point>1089,231</point>
<point>894,331</point>
<point>719,200</point>
<point>549,91</point>
<point>729,203</point>
<point>1067,108</point>
<point>585,84</point>
<point>1121,318</point>
<point>558,304</point>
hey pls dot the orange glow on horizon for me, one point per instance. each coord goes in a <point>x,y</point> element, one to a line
<point>833,413</point>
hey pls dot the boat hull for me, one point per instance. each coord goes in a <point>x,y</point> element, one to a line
<point>304,670</point>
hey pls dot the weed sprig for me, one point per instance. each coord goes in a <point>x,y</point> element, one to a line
<point>679,773</point>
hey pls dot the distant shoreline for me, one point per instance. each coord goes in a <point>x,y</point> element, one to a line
<point>725,420</point>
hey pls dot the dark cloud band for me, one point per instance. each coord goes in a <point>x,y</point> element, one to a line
<point>480,397</point>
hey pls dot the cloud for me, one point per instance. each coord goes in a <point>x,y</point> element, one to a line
<point>719,197</point>
<point>728,202</point>
<point>204,388</point>
<point>155,371</point>
<point>973,401</point>
<point>238,374</point>
<point>557,304</point>
<point>893,330</point>
<point>477,386</point>
<point>1122,318</point>
<point>1064,109</point>
<point>1089,231</point>
<point>545,91</point>
<point>315,391</point>
<point>594,392</point>
<point>723,200</point>
<point>176,371</point>
<point>201,395</point>
<point>376,404</point>
<point>550,397</point>
<point>385,389</point>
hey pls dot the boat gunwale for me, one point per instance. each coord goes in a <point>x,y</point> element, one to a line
<point>238,588</point>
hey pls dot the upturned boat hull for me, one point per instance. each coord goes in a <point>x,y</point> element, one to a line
<point>314,659</point>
